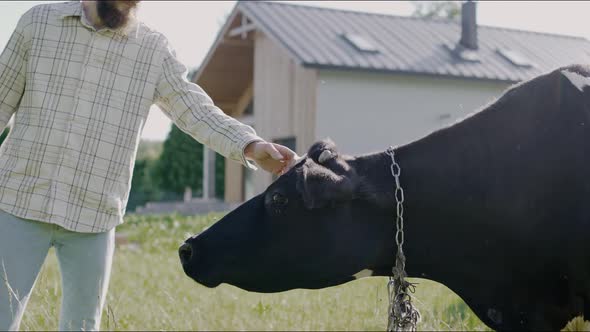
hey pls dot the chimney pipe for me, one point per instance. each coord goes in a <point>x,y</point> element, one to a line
<point>468,25</point>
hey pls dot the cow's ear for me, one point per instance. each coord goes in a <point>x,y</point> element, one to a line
<point>320,187</point>
<point>323,151</point>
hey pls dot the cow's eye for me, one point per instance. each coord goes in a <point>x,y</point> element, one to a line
<point>279,200</point>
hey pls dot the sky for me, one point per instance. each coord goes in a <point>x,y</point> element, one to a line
<point>191,26</point>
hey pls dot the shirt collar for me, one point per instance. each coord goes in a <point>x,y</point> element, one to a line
<point>74,8</point>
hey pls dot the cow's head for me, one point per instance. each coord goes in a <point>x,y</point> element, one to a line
<point>315,226</point>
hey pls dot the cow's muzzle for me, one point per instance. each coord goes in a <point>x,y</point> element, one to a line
<point>185,252</point>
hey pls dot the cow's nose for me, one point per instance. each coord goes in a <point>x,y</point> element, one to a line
<point>185,252</point>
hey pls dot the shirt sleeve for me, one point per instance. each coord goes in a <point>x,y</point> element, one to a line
<point>12,73</point>
<point>194,112</point>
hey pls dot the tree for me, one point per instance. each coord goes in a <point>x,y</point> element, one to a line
<point>181,164</point>
<point>165,175</point>
<point>144,186</point>
<point>219,176</point>
<point>441,9</point>
<point>149,149</point>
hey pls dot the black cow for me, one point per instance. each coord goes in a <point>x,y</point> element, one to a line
<point>497,208</point>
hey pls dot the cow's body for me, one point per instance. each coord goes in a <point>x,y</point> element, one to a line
<point>497,208</point>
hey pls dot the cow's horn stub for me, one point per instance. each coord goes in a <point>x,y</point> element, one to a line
<point>325,156</point>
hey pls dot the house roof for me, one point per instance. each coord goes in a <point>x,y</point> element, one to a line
<point>313,36</point>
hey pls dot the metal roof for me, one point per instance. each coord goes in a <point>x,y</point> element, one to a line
<point>314,37</point>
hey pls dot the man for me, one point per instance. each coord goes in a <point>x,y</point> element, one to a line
<point>79,78</point>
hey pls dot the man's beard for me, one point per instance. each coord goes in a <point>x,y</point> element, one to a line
<point>110,15</point>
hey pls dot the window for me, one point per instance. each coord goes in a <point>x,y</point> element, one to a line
<point>361,43</point>
<point>462,53</point>
<point>250,108</point>
<point>289,142</point>
<point>515,57</point>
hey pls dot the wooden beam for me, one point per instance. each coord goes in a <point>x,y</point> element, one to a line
<point>241,30</point>
<point>234,187</point>
<point>208,174</point>
<point>244,100</point>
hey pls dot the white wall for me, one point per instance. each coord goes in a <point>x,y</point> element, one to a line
<point>284,101</point>
<point>366,112</point>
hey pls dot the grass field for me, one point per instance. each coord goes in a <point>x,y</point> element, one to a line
<point>149,291</point>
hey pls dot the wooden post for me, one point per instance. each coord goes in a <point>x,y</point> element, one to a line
<point>188,194</point>
<point>208,173</point>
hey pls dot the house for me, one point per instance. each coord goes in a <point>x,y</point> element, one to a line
<point>298,74</point>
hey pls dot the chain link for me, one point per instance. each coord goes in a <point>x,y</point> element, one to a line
<point>402,315</point>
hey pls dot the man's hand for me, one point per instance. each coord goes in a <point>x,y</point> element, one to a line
<point>271,157</point>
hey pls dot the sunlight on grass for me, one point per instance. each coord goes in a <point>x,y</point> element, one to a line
<point>149,291</point>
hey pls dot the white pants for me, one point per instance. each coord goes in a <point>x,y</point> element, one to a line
<point>85,263</point>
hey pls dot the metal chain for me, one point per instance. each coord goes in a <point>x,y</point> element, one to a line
<point>402,316</point>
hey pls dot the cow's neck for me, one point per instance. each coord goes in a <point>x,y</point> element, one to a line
<point>443,176</point>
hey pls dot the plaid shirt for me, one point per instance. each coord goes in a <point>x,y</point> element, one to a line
<point>80,98</point>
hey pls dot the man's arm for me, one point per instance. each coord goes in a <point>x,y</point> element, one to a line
<point>13,62</point>
<point>193,111</point>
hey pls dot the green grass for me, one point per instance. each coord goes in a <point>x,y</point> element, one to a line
<point>149,291</point>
